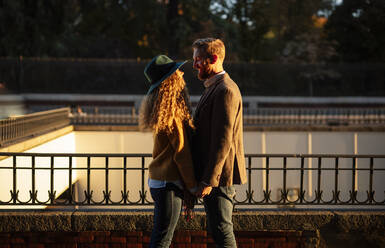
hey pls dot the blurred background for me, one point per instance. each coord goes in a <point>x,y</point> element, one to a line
<point>311,72</point>
<point>274,47</point>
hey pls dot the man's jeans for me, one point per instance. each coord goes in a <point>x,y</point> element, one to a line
<point>168,205</point>
<point>219,211</point>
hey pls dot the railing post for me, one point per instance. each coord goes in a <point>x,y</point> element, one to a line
<point>52,179</point>
<point>70,197</point>
<point>249,179</point>
<point>88,179</point>
<point>106,181</point>
<point>125,178</point>
<point>1,132</point>
<point>336,180</point>
<point>267,177</point>
<point>33,180</point>
<point>6,131</point>
<point>318,195</point>
<point>353,179</point>
<point>143,195</point>
<point>301,180</point>
<point>284,178</point>
<point>371,181</point>
<point>14,179</point>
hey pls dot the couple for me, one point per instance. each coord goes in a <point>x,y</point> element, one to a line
<point>213,140</point>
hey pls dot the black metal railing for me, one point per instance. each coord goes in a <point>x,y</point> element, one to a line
<point>273,179</point>
<point>14,129</point>
<point>314,116</point>
<point>104,116</point>
<point>87,115</point>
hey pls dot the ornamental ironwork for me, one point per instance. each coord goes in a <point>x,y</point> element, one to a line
<point>273,179</point>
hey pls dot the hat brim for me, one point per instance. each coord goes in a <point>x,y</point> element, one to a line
<point>155,85</point>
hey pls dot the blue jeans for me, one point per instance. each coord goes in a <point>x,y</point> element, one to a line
<point>168,206</point>
<point>219,211</point>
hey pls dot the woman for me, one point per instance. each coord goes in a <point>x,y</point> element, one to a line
<point>165,111</point>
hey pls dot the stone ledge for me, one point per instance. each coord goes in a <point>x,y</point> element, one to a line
<point>316,228</point>
<point>33,141</point>
<point>40,220</point>
<point>19,221</point>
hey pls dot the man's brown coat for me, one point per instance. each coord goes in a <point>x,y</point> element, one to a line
<point>218,140</point>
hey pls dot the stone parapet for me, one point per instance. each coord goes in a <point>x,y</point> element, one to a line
<point>83,220</point>
<point>36,140</point>
<point>315,228</point>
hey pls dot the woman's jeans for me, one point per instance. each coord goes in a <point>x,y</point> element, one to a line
<point>219,210</point>
<point>168,205</point>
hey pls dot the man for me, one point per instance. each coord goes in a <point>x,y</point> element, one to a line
<point>218,139</point>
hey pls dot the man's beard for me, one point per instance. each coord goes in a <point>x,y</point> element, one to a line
<point>204,73</point>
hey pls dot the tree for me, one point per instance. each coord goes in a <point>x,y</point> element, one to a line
<point>33,28</point>
<point>358,26</point>
<point>188,20</point>
<point>103,28</point>
<point>311,47</point>
<point>263,28</point>
<point>253,24</point>
<point>116,29</point>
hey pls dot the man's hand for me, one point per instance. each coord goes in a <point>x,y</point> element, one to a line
<point>203,190</point>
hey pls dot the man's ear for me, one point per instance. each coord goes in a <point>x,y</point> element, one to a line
<point>213,59</point>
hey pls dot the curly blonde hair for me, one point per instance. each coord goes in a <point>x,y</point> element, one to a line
<point>168,103</point>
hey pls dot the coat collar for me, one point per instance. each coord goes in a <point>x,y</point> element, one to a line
<point>208,91</point>
<point>213,79</point>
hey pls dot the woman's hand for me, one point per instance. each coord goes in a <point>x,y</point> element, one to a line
<point>189,203</point>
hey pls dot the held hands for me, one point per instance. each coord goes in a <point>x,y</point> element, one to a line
<point>190,199</point>
<point>189,202</point>
<point>203,190</point>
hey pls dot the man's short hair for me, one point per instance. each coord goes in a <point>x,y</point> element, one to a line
<point>210,46</point>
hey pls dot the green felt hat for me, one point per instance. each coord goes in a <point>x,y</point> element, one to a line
<point>159,69</point>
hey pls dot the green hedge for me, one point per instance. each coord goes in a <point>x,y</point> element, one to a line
<point>126,77</point>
